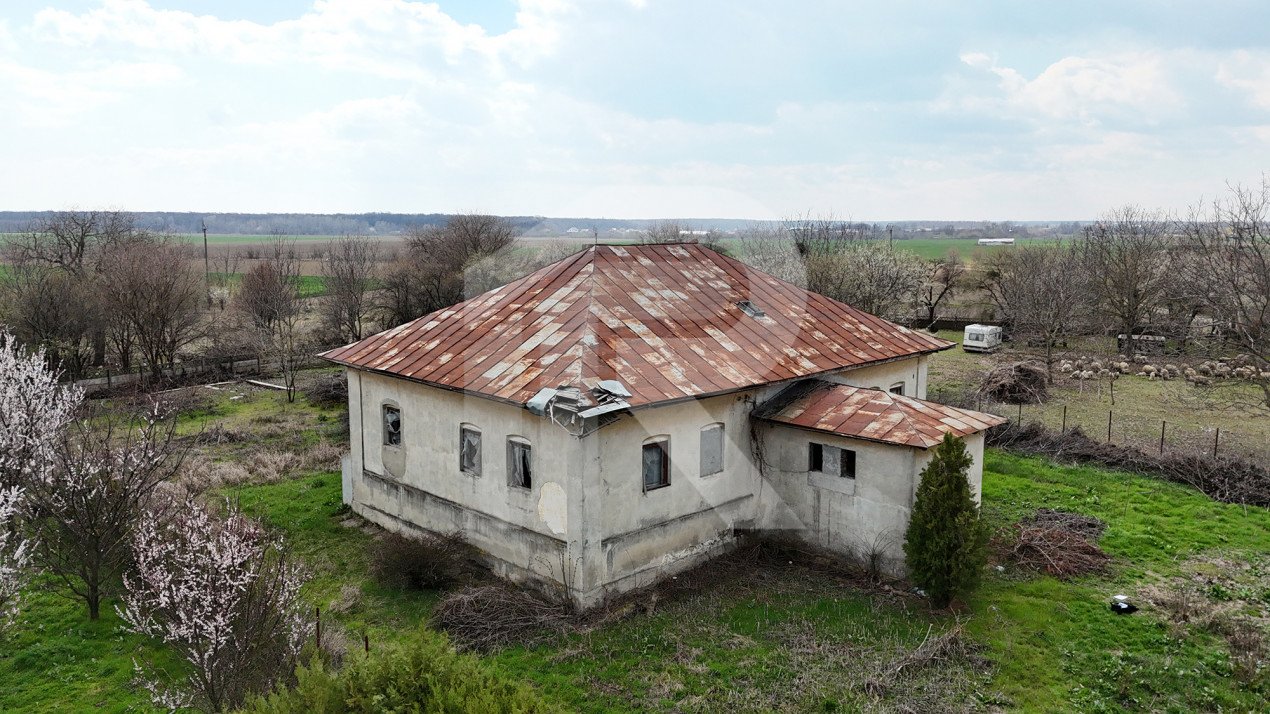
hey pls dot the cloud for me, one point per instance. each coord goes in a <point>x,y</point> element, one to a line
<point>1087,88</point>
<point>57,98</point>
<point>1247,72</point>
<point>389,38</point>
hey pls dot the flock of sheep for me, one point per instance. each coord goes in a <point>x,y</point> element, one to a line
<point>1204,373</point>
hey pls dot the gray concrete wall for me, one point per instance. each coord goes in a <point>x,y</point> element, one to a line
<point>420,482</point>
<point>587,522</point>
<point>854,516</point>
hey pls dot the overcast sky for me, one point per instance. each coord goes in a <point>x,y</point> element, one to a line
<point>633,108</point>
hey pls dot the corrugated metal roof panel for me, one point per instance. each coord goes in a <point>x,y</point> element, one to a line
<point>871,414</point>
<point>662,319</point>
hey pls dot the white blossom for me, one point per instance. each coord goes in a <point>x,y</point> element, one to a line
<point>222,593</point>
<point>15,553</point>
<point>34,409</point>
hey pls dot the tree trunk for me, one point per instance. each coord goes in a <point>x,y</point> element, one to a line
<point>94,602</point>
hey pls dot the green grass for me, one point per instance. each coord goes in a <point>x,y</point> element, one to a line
<point>745,643</point>
<point>310,285</point>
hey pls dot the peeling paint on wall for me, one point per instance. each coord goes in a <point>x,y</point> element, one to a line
<point>553,507</point>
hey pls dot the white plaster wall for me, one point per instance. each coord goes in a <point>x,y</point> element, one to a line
<point>645,534</point>
<point>526,528</point>
<point>912,372</point>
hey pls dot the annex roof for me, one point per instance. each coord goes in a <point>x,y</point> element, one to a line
<point>667,321</point>
<point>871,414</point>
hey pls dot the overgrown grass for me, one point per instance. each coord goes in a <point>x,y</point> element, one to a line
<point>801,641</point>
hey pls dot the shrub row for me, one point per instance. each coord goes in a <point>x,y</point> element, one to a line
<point>425,675</point>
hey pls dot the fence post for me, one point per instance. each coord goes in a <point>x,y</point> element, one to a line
<point>1108,426</point>
<point>1112,382</point>
<point>1020,414</point>
<point>1216,437</point>
<point>317,619</point>
<point>1064,429</point>
<point>1162,423</point>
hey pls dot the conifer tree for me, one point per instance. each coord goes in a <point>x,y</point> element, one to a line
<point>946,543</point>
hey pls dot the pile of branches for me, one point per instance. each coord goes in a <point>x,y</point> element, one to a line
<point>485,618</point>
<point>1059,544</point>
<point>328,391</point>
<point>942,651</point>
<point>1225,478</point>
<point>1018,383</point>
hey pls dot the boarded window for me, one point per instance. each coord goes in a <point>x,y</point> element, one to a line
<point>711,449</point>
<point>897,388</point>
<point>830,460</point>
<point>470,450</point>
<point>392,425</point>
<point>656,459</point>
<point>519,463</point>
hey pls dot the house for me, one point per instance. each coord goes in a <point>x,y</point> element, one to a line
<point>624,413</point>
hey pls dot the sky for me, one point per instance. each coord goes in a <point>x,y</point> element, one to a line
<point>956,110</point>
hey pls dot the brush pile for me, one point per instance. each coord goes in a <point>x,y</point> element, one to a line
<point>1059,543</point>
<point>1018,383</point>
<point>486,618</point>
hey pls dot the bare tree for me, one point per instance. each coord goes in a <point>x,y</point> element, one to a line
<point>1042,292</point>
<point>270,296</point>
<point>74,242</point>
<point>943,277</point>
<point>825,235</point>
<point>1228,250</point>
<point>350,266</point>
<point>100,486</point>
<point>225,596</point>
<point>154,298</point>
<point>55,310</point>
<point>1127,254</point>
<point>430,273</point>
<point>868,275</point>
<point>772,249</point>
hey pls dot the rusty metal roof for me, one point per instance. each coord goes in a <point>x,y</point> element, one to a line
<point>664,320</point>
<point>871,414</point>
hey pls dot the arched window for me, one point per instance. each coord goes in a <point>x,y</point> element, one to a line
<point>711,449</point>
<point>656,462</point>
<point>520,462</point>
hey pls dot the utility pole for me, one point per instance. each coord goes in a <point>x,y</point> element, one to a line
<point>890,235</point>
<point>207,264</point>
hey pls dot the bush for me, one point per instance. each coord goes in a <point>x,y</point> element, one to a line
<point>425,675</point>
<point>946,543</point>
<point>425,562</point>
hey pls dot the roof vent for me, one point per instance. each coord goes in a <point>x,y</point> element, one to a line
<point>751,309</point>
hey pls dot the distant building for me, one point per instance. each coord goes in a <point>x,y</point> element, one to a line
<point>996,241</point>
<point>623,414</point>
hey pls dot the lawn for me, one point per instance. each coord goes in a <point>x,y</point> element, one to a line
<point>773,638</point>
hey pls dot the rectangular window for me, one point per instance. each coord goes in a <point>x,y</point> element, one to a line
<point>711,449</point>
<point>392,425</point>
<point>656,458</point>
<point>470,451</point>
<point>897,389</point>
<point>519,464</point>
<point>830,460</point>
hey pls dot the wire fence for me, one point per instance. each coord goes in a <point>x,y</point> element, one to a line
<point>1183,435</point>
